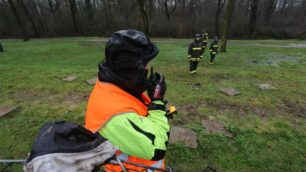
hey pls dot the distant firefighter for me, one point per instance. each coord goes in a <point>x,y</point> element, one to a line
<point>204,38</point>
<point>195,53</point>
<point>213,49</point>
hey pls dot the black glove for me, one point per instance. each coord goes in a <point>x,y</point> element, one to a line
<point>156,87</point>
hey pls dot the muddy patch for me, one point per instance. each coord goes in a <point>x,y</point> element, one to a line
<point>188,110</point>
<point>239,109</point>
<point>74,98</point>
<point>31,96</point>
<point>292,107</point>
<point>188,114</point>
<point>276,60</point>
<point>213,126</point>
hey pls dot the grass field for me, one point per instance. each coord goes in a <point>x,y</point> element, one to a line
<point>268,126</point>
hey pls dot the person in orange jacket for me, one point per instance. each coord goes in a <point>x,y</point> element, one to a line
<point>119,110</point>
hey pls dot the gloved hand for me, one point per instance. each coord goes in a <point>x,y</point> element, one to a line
<point>156,87</point>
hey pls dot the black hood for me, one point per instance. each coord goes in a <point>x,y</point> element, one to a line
<point>197,36</point>
<point>133,81</point>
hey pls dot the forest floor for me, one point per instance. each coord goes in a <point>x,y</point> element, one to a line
<point>266,127</point>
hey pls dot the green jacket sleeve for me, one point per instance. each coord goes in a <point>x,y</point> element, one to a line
<point>143,137</point>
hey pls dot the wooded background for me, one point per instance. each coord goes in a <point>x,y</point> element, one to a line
<point>159,18</point>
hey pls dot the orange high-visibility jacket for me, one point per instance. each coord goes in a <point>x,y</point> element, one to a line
<point>108,101</point>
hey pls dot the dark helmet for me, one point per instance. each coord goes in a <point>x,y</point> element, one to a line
<point>127,53</point>
<point>130,46</point>
<point>216,38</point>
<point>197,36</point>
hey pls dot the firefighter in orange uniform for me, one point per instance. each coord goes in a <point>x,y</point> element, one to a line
<point>119,110</point>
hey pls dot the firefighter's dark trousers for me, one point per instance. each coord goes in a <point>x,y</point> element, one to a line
<point>212,57</point>
<point>193,66</point>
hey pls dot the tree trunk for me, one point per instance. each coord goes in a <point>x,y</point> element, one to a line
<point>23,30</point>
<point>7,20</point>
<point>73,12</point>
<point>253,17</point>
<point>27,13</point>
<point>1,48</point>
<point>51,5</point>
<point>167,11</point>
<point>217,17</point>
<point>107,22</point>
<point>144,17</point>
<point>226,24</point>
<point>41,18</point>
<point>304,8</point>
<point>269,9</point>
<point>89,10</point>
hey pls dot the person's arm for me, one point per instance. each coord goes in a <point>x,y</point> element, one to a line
<point>217,49</point>
<point>143,137</point>
<point>211,47</point>
<point>202,50</point>
<point>190,50</point>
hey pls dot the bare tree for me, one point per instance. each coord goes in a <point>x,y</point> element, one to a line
<point>4,15</point>
<point>220,5</point>
<point>170,18</point>
<point>144,17</point>
<point>304,8</point>
<point>269,7</point>
<point>253,17</point>
<point>89,10</point>
<point>29,17</point>
<point>106,14</point>
<point>73,11</point>
<point>226,23</point>
<point>24,32</point>
<point>168,12</point>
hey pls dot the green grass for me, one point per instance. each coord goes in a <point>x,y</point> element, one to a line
<point>269,126</point>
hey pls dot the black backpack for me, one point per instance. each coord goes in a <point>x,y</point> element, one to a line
<point>64,146</point>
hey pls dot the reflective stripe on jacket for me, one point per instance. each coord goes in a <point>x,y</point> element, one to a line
<point>195,50</point>
<point>214,48</point>
<point>204,39</point>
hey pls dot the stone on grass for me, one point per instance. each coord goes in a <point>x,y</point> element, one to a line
<point>196,86</point>
<point>92,81</point>
<point>69,78</point>
<point>184,135</point>
<point>213,126</point>
<point>266,87</point>
<point>4,110</point>
<point>230,91</point>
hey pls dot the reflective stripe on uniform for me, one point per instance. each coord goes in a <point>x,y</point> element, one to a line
<point>123,157</point>
<point>213,52</point>
<point>158,164</point>
<point>195,59</point>
<point>216,46</point>
<point>197,48</point>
